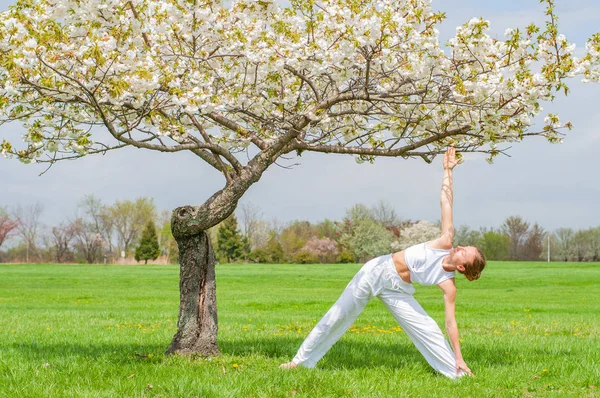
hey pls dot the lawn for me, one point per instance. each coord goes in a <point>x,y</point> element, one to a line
<point>527,329</point>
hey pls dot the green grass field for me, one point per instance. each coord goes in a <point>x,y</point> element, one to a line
<point>527,329</point>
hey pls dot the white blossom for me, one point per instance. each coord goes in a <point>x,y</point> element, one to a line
<point>265,68</point>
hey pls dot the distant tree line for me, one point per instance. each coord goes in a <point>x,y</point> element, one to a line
<point>95,233</point>
<point>366,232</point>
<point>104,233</point>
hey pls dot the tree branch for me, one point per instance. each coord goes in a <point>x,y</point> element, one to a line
<point>376,151</point>
<point>306,80</point>
<point>233,126</point>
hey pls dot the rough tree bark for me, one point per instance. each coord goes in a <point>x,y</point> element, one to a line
<point>197,323</point>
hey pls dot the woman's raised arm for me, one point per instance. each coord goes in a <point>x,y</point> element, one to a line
<point>445,239</point>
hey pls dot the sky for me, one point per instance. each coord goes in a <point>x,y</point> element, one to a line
<point>555,185</point>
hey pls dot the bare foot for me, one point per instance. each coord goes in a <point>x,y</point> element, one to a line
<point>289,365</point>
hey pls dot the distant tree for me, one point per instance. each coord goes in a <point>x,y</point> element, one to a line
<point>28,227</point>
<point>294,237</point>
<point>595,243</point>
<point>276,226</point>
<point>416,233</point>
<point>362,235</point>
<point>533,246</point>
<point>93,230</point>
<point>258,255</point>
<point>517,231</point>
<point>586,244</point>
<point>166,240</point>
<point>122,214</point>
<point>129,218</point>
<point>16,252</point>
<point>8,226</point>
<point>346,256</point>
<point>326,229</point>
<point>495,245</point>
<point>231,245</point>
<point>555,254</point>
<point>305,257</point>
<point>148,248</point>
<point>580,245</point>
<point>358,212</point>
<point>62,235</point>
<point>260,234</point>
<point>564,244</point>
<point>383,213</point>
<point>250,217</point>
<point>464,236</point>
<point>272,252</point>
<point>367,239</point>
<point>325,250</point>
<point>87,240</point>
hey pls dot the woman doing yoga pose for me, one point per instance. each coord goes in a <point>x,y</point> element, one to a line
<point>390,279</point>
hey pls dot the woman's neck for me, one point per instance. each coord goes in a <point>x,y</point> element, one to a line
<point>447,265</point>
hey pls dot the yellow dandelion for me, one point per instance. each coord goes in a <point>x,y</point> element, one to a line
<point>48,329</point>
<point>545,370</point>
<point>235,365</point>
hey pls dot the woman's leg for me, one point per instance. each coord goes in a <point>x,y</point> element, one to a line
<point>338,319</point>
<point>422,330</point>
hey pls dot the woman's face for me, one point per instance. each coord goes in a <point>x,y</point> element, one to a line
<point>462,255</point>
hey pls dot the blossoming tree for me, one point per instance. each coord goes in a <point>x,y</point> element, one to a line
<point>367,78</point>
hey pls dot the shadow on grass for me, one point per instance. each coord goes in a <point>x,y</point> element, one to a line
<point>114,353</point>
<point>344,354</point>
<point>356,354</point>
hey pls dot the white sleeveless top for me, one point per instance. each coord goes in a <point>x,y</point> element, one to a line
<point>425,264</point>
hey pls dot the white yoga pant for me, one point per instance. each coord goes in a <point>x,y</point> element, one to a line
<point>378,278</point>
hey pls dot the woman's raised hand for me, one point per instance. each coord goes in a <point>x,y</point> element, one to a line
<point>450,160</point>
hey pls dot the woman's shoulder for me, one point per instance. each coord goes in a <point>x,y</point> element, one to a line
<point>447,285</point>
<point>444,242</point>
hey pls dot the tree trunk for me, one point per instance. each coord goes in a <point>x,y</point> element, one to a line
<point>197,323</point>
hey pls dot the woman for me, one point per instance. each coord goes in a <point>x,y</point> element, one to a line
<point>390,279</point>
